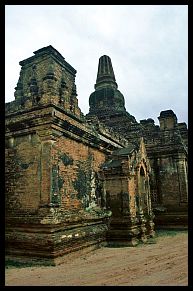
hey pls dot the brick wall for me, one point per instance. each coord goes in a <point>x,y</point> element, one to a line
<point>23,173</point>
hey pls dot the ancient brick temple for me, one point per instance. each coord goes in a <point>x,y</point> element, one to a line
<point>76,182</point>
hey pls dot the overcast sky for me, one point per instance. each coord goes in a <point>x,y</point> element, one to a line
<point>147,44</point>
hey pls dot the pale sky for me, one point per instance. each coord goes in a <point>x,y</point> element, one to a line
<point>147,44</point>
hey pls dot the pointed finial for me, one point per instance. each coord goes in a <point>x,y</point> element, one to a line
<point>105,75</point>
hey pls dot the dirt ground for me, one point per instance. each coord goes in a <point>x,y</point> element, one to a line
<point>162,264</point>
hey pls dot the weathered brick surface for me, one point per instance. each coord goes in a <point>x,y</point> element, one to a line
<point>51,181</point>
<point>75,164</point>
<point>23,173</point>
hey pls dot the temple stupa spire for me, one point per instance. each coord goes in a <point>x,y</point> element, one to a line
<point>105,75</point>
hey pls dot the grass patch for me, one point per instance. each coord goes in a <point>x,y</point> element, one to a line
<point>169,232</point>
<point>14,264</point>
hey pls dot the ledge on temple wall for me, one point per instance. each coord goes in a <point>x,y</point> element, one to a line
<point>105,130</point>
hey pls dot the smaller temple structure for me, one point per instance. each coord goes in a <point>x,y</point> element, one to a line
<point>128,196</point>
